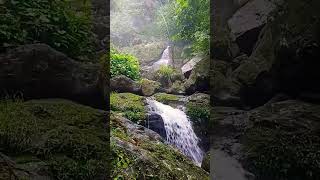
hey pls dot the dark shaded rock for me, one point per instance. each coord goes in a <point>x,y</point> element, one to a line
<point>9,169</point>
<point>156,124</point>
<point>247,40</point>
<point>124,84</point>
<point>38,71</point>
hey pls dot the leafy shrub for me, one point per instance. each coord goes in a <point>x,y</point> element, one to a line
<point>198,112</point>
<point>54,22</point>
<point>124,64</point>
<point>166,72</point>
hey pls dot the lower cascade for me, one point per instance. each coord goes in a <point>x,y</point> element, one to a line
<point>178,129</point>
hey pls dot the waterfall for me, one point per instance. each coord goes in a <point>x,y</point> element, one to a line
<point>178,129</point>
<point>165,59</point>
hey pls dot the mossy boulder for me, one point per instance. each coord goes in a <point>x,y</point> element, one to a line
<point>149,87</point>
<point>139,153</point>
<point>177,88</point>
<point>56,138</point>
<point>130,105</point>
<point>282,140</point>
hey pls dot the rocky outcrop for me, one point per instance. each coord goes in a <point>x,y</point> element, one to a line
<point>271,133</point>
<point>257,124</point>
<point>38,71</point>
<point>277,63</point>
<point>147,155</point>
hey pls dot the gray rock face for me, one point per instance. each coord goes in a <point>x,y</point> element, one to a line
<point>38,71</point>
<point>187,67</point>
<point>124,84</point>
<point>252,15</point>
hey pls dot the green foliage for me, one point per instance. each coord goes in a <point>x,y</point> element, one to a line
<point>166,75</point>
<point>124,64</point>
<point>188,20</point>
<point>198,112</point>
<point>130,105</point>
<point>54,22</point>
<point>69,139</point>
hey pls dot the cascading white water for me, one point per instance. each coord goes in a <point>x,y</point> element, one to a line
<point>164,60</point>
<point>178,129</point>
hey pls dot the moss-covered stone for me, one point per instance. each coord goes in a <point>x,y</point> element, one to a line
<point>69,139</point>
<point>177,88</point>
<point>166,98</point>
<point>149,87</point>
<point>282,141</point>
<point>144,155</point>
<point>130,105</point>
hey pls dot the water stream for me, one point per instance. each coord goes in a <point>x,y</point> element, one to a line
<point>178,129</point>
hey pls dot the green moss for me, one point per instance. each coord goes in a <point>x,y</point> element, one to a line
<point>130,105</point>
<point>276,153</point>
<point>69,138</point>
<point>165,98</point>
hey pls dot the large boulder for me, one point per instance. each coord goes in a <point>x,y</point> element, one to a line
<point>188,67</point>
<point>53,139</point>
<point>122,84</point>
<point>149,87</point>
<point>247,22</point>
<point>38,71</point>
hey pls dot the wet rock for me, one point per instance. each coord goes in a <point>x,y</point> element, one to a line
<point>155,123</point>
